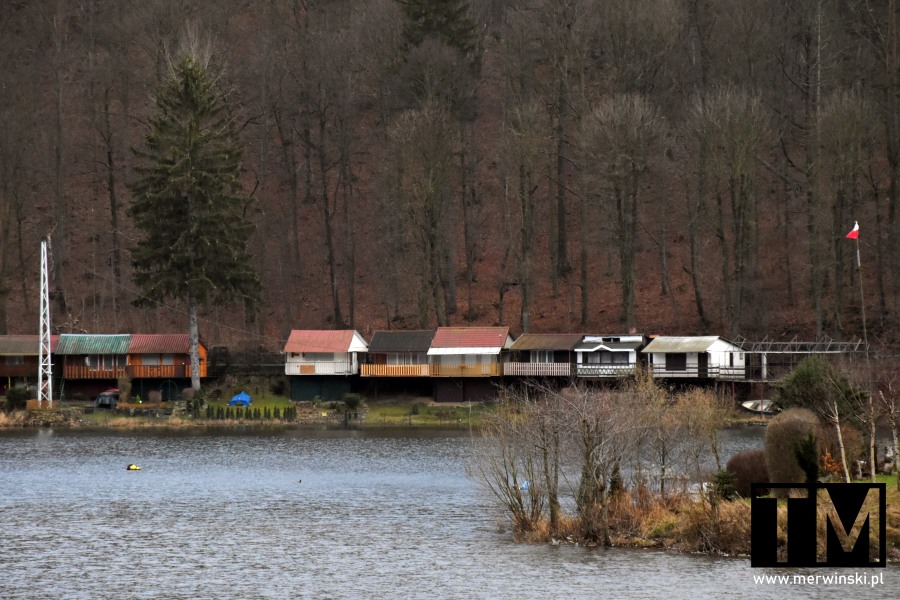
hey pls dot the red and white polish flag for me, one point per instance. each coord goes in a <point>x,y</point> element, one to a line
<point>854,233</point>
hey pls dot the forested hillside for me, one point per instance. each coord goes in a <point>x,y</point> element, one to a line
<point>667,166</point>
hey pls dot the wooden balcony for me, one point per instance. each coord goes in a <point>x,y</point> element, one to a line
<point>160,371</point>
<point>341,367</point>
<point>521,369</point>
<point>489,370</point>
<point>395,370</point>
<point>694,372</point>
<point>19,370</point>
<point>85,372</point>
<point>606,370</point>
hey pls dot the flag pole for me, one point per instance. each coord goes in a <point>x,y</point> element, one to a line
<point>862,298</point>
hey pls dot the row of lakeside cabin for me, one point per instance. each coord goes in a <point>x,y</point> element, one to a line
<point>86,364</point>
<point>450,363</point>
<point>463,363</point>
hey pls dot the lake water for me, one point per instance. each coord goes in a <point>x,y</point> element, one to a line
<point>301,513</point>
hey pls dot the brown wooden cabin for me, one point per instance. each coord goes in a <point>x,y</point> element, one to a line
<point>162,356</point>
<point>20,359</point>
<point>543,355</point>
<point>398,354</point>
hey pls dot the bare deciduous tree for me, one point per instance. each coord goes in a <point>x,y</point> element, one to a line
<point>620,135</point>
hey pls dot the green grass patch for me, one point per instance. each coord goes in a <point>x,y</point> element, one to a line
<point>423,414</point>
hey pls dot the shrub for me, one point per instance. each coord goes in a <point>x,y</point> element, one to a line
<point>854,446</point>
<point>782,435</point>
<point>16,398</point>
<point>807,455</point>
<point>278,386</point>
<point>352,402</point>
<point>124,385</point>
<point>723,485</point>
<point>748,467</point>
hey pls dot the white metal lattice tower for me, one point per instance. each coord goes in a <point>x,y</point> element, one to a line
<point>45,371</point>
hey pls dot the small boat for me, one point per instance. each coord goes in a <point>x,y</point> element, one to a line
<point>761,407</point>
<point>133,467</point>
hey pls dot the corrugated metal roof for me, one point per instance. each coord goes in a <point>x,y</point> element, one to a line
<point>547,341</point>
<point>77,343</point>
<point>401,341</point>
<point>675,344</point>
<point>470,337</point>
<point>319,340</point>
<point>160,343</point>
<point>24,345</point>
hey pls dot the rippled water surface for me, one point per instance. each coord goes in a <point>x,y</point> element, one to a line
<point>304,514</point>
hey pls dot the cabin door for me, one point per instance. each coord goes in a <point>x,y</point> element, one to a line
<point>703,365</point>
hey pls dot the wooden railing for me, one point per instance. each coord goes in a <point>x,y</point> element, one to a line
<point>712,372</point>
<point>395,370</point>
<point>537,369</point>
<point>595,370</point>
<point>85,372</point>
<point>489,370</point>
<point>341,367</point>
<point>160,371</point>
<point>18,370</point>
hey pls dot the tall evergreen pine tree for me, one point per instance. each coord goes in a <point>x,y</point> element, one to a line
<point>188,202</point>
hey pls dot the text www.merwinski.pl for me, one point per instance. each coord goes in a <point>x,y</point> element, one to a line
<point>865,579</point>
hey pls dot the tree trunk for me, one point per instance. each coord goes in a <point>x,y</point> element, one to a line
<point>194,330</point>
<point>562,238</point>
<point>328,218</point>
<point>583,256</point>
<point>840,438</point>
<point>873,454</point>
<point>550,456</point>
<point>113,195</point>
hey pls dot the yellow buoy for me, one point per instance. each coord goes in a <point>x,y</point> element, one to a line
<point>133,468</point>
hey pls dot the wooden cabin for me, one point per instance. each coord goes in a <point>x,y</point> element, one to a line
<point>468,351</point>
<point>89,356</point>
<point>609,355</point>
<point>699,357</point>
<point>331,356</point>
<point>542,355</point>
<point>322,352</point>
<point>163,356</point>
<point>91,363</point>
<point>20,359</point>
<point>398,354</point>
<point>463,361</point>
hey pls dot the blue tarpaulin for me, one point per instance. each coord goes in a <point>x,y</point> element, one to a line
<point>242,399</point>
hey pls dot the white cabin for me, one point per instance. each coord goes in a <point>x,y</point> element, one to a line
<point>698,357</point>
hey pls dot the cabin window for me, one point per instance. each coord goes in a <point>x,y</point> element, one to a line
<point>542,356</point>
<point>676,361</point>
<point>104,361</point>
<point>15,360</point>
<point>406,358</point>
<point>150,359</point>
<point>318,356</point>
<point>605,357</point>
<point>619,358</point>
<point>167,359</point>
<point>112,361</point>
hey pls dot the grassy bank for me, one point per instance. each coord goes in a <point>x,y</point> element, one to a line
<point>683,524</point>
<point>266,409</point>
